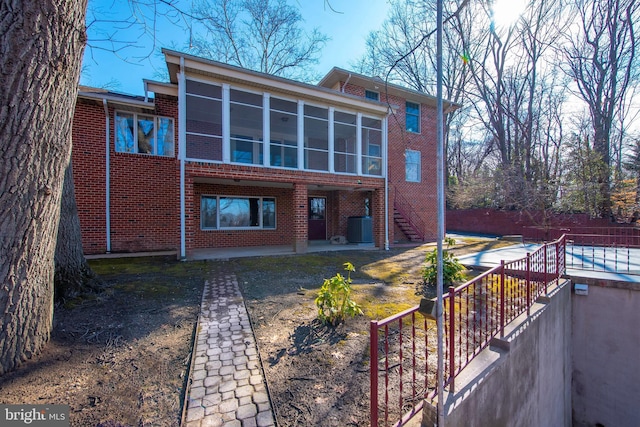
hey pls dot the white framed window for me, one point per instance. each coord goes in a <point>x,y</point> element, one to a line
<point>316,138</point>
<point>369,94</point>
<point>284,133</point>
<point>246,123</point>
<point>412,165</point>
<point>345,142</point>
<point>412,113</point>
<point>204,120</point>
<point>371,146</point>
<point>144,134</point>
<point>237,212</point>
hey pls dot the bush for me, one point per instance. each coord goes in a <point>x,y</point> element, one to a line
<point>452,270</point>
<point>334,299</point>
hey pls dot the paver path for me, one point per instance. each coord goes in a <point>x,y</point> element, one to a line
<point>227,387</point>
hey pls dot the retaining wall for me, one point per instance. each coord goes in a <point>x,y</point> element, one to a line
<point>525,380</point>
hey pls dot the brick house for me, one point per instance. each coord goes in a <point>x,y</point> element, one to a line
<point>190,169</point>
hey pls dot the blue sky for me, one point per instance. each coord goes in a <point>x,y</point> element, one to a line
<point>123,71</point>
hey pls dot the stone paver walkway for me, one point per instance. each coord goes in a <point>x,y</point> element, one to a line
<point>227,387</point>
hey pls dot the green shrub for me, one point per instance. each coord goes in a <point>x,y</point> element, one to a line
<point>452,270</point>
<point>334,298</point>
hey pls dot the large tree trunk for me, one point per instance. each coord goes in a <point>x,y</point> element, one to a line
<point>73,276</point>
<point>41,45</point>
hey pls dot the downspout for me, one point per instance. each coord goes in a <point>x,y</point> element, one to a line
<point>181,153</point>
<point>107,177</point>
<point>385,126</point>
<point>346,82</point>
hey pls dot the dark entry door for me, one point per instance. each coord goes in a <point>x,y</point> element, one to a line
<point>317,218</point>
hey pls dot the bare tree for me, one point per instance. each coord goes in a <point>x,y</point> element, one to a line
<point>403,52</point>
<point>601,58</point>
<point>580,192</point>
<point>41,45</point>
<point>262,35</point>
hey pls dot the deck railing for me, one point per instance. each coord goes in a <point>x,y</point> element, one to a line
<point>628,236</point>
<point>607,253</point>
<point>403,355</point>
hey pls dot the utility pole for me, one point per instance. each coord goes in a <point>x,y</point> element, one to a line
<point>440,201</point>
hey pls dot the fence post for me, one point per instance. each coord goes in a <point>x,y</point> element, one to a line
<point>502,302</point>
<point>373,372</point>
<point>528,280</point>
<point>452,334</point>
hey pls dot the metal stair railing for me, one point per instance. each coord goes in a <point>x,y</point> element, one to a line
<point>404,208</point>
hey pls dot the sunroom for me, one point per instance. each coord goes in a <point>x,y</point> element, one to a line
<point>239,128</point>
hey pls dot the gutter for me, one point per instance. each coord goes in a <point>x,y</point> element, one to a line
<point>149,105</point>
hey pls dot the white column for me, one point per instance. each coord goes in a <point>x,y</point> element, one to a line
<point>226,123</point>
<point>300,134</point>
<point>266,129</point>
<point>332,167</point>
<point>359,144</point>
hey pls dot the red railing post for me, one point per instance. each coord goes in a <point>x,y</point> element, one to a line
<point>502,301</point>
<point>373,372</point>
<point>401,360</point>
<point>528,280</point>
<point>452,333</point>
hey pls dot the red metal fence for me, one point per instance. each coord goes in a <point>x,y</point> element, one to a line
<point>403,356</point>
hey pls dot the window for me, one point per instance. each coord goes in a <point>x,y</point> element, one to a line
<point>369,94</point>
<point>413,117</point>
<point>316,138</point>
<point>145,134</point>
<point>246,127</point>
<point>284,133</point>
<point>345,142</point>
<point>412,165</point>
<point>371,146</point>
<point>221,212</point>
<point>204,121</point>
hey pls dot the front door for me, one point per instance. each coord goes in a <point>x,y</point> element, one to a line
<point>317,218</point>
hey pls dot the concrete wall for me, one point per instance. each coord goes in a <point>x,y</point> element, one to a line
<point>606,356</point>
<point>527,385</point>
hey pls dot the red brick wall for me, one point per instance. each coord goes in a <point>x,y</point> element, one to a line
<point>145,208</point>
<point>89,174</point>
<point>144,197</point>
<point>340,206</point>
<point>282,235</point>
<point>421,195</point>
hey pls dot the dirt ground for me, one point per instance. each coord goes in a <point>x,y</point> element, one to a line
<point>318,375</point>
<point>121,358</point>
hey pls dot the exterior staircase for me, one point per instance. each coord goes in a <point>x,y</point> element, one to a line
<point>407,219</point>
